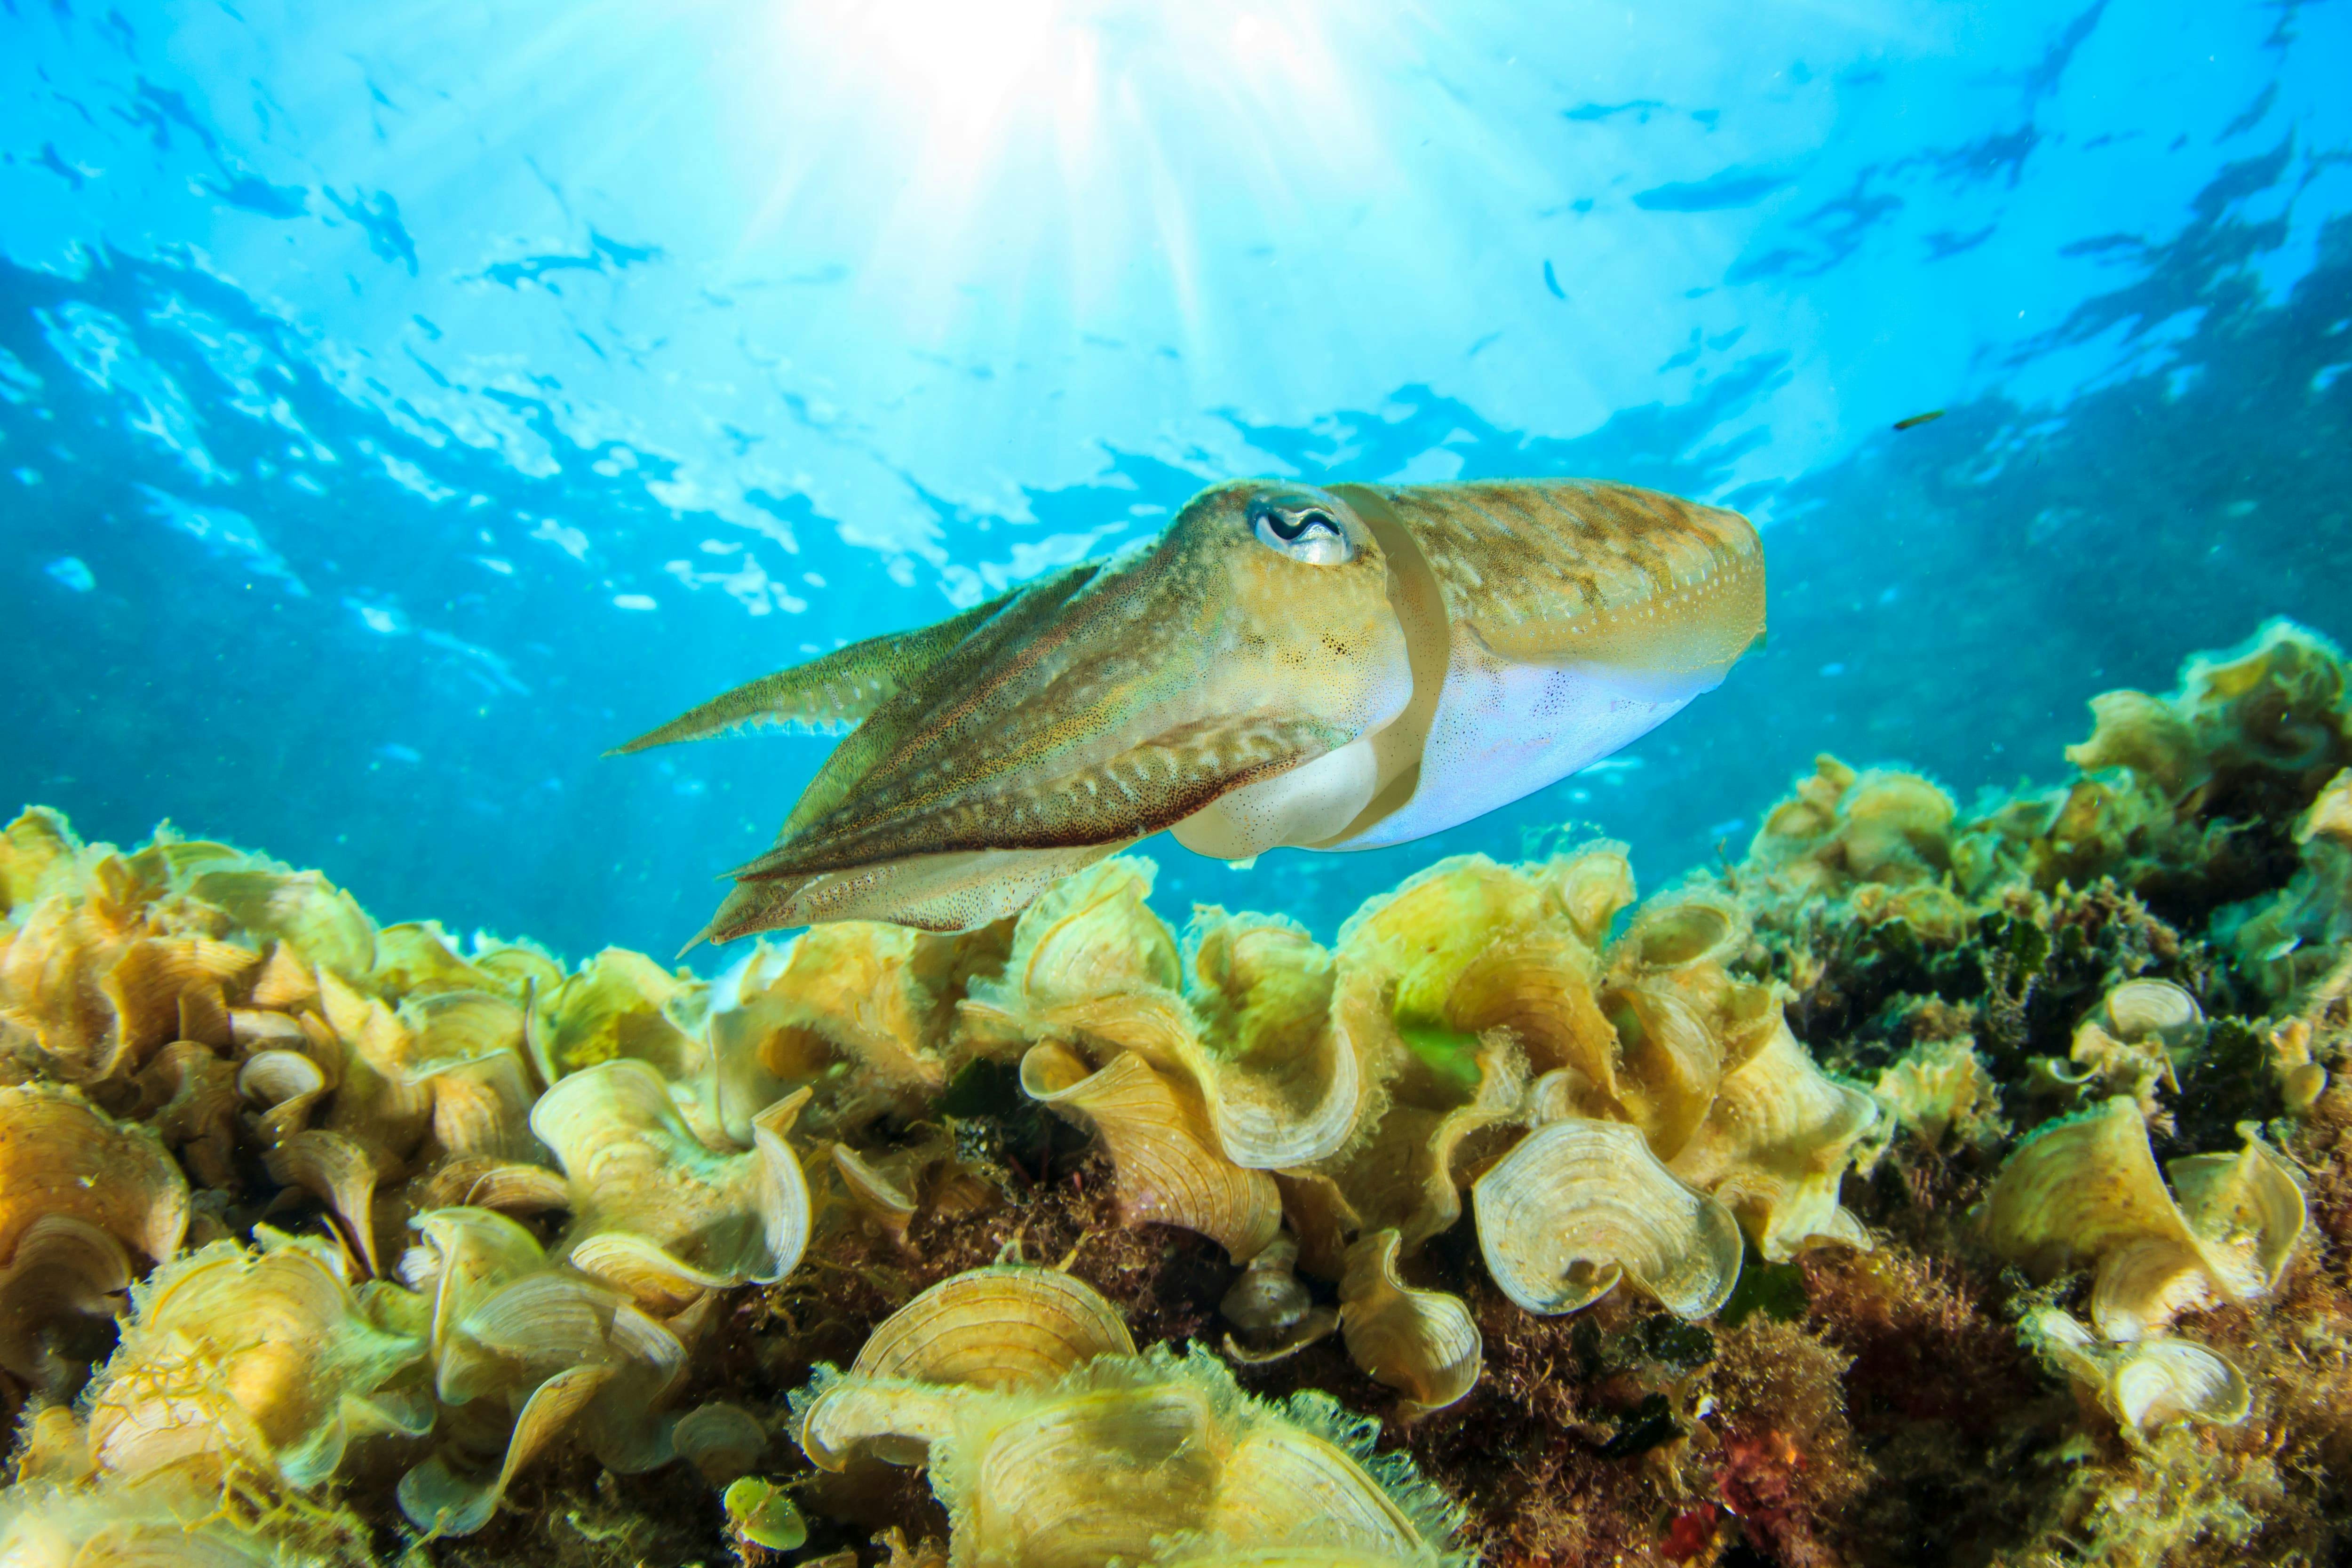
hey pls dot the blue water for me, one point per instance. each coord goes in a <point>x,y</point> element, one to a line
<point>400,403</point>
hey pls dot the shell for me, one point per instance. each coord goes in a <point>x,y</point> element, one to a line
<point>1267,1300</point>
<point>338,1170</point>
<point>1285,1086</point>
<point>1420,1342</point>
<point>1941,1088</point>
<point>317,922</point>
<point>1774,1144</point>
<point>1169,1170</point>
<point>137,1527</point>
<point>655,1207</point>
<point>417,959</point>
<point>856,1008</point>
<point>1671,1065</point>
<point>1426,933</point>
<point>2133,1042</point>
<point>2132,729</point>
<point>1093,936</point>
<point>2143,1384</point>
<point>2153,1009</point>
<point>61,1155</point>
<point>39,854</point>
<point>64,1274</point>
<point>99,998</point>
<point>1149,1459</point>
<point>267,1359</point>
<point>723,1441</point>
<point>288,1084</point>
<point>85,1204</point>
<point>468,1254</point>
<point>997,1327</point>
<point>614,1005</point>
<point>1578,1205</point>
<point>1589,885</point>
<point>1688,927</point>
<point>569,1355</point>
<point>1404,1174</point>
<point>2085,1192</point>
<point>879,1195</point>
<point>1543,990</point>
<point>1193,1111</point>
<point>1896,827</point>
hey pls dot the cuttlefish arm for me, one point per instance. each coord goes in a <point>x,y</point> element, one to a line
<point>1283,666</point>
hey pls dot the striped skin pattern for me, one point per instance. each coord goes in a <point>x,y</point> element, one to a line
<point>1442,649</point>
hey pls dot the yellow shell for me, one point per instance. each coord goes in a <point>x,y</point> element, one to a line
<point>1774,1144</point>
<point>2145,1383</point>
<point>656,1210</point>
<point>1941,1089</point>
<point>2086,1192</point>
<point>1578,1205</point>
<point>1285,1086</point>
<point>1145,1458</point>
<point>265,1360</point>
<point>1169,1170</point>
<point>723,1441</point>
<point>566,1354</point>
<point>1420,1342</point>
<point>996,1328</point>
<point>85,1204</point>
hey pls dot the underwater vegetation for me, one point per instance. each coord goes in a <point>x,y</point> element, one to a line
<point>1334,668</point>
<point>1931,1184</point>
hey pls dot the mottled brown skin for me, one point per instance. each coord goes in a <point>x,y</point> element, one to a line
<point>1030,735</point>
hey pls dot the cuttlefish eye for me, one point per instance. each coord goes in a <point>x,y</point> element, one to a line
<point>1301,529</point>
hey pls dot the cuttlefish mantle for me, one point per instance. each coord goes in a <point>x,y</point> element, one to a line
<point>1336,669</point>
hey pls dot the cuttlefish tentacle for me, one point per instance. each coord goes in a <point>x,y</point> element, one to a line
<point>1285,666</point>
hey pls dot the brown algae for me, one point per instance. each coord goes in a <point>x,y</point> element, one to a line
<point>1934,1184</point>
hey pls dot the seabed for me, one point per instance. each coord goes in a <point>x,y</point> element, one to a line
<point>1930,1184</point>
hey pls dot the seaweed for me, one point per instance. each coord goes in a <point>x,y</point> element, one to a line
<point>1866,1392</point>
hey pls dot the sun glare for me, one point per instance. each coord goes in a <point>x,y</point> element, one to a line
<point>1000,137</point>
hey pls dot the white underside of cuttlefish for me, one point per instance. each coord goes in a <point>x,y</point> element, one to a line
<point>1337,668</point>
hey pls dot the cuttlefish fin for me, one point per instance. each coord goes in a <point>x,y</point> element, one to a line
<point>951,892</point>
<point>841,688</point>
<point>1152,785</point>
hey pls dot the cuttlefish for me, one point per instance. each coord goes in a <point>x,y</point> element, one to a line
<point>1336,669</point>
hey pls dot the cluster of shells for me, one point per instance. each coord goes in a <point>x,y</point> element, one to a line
<point>2081,1195</point>
<point>293,1205</point>
<point>366,1203</point>
<point>1618,1113</point>
<point>2248,730</point>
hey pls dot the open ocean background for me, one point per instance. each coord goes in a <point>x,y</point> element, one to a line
<point>402,402</point>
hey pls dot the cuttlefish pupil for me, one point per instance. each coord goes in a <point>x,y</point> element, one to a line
<point>1337,668</point>
<point>1299,527</point>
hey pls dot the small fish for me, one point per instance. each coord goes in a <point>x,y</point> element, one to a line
<point>2279,950</point>
<point>1552,281</point>
<point>1918,419</point>
<point>1337,668</point>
